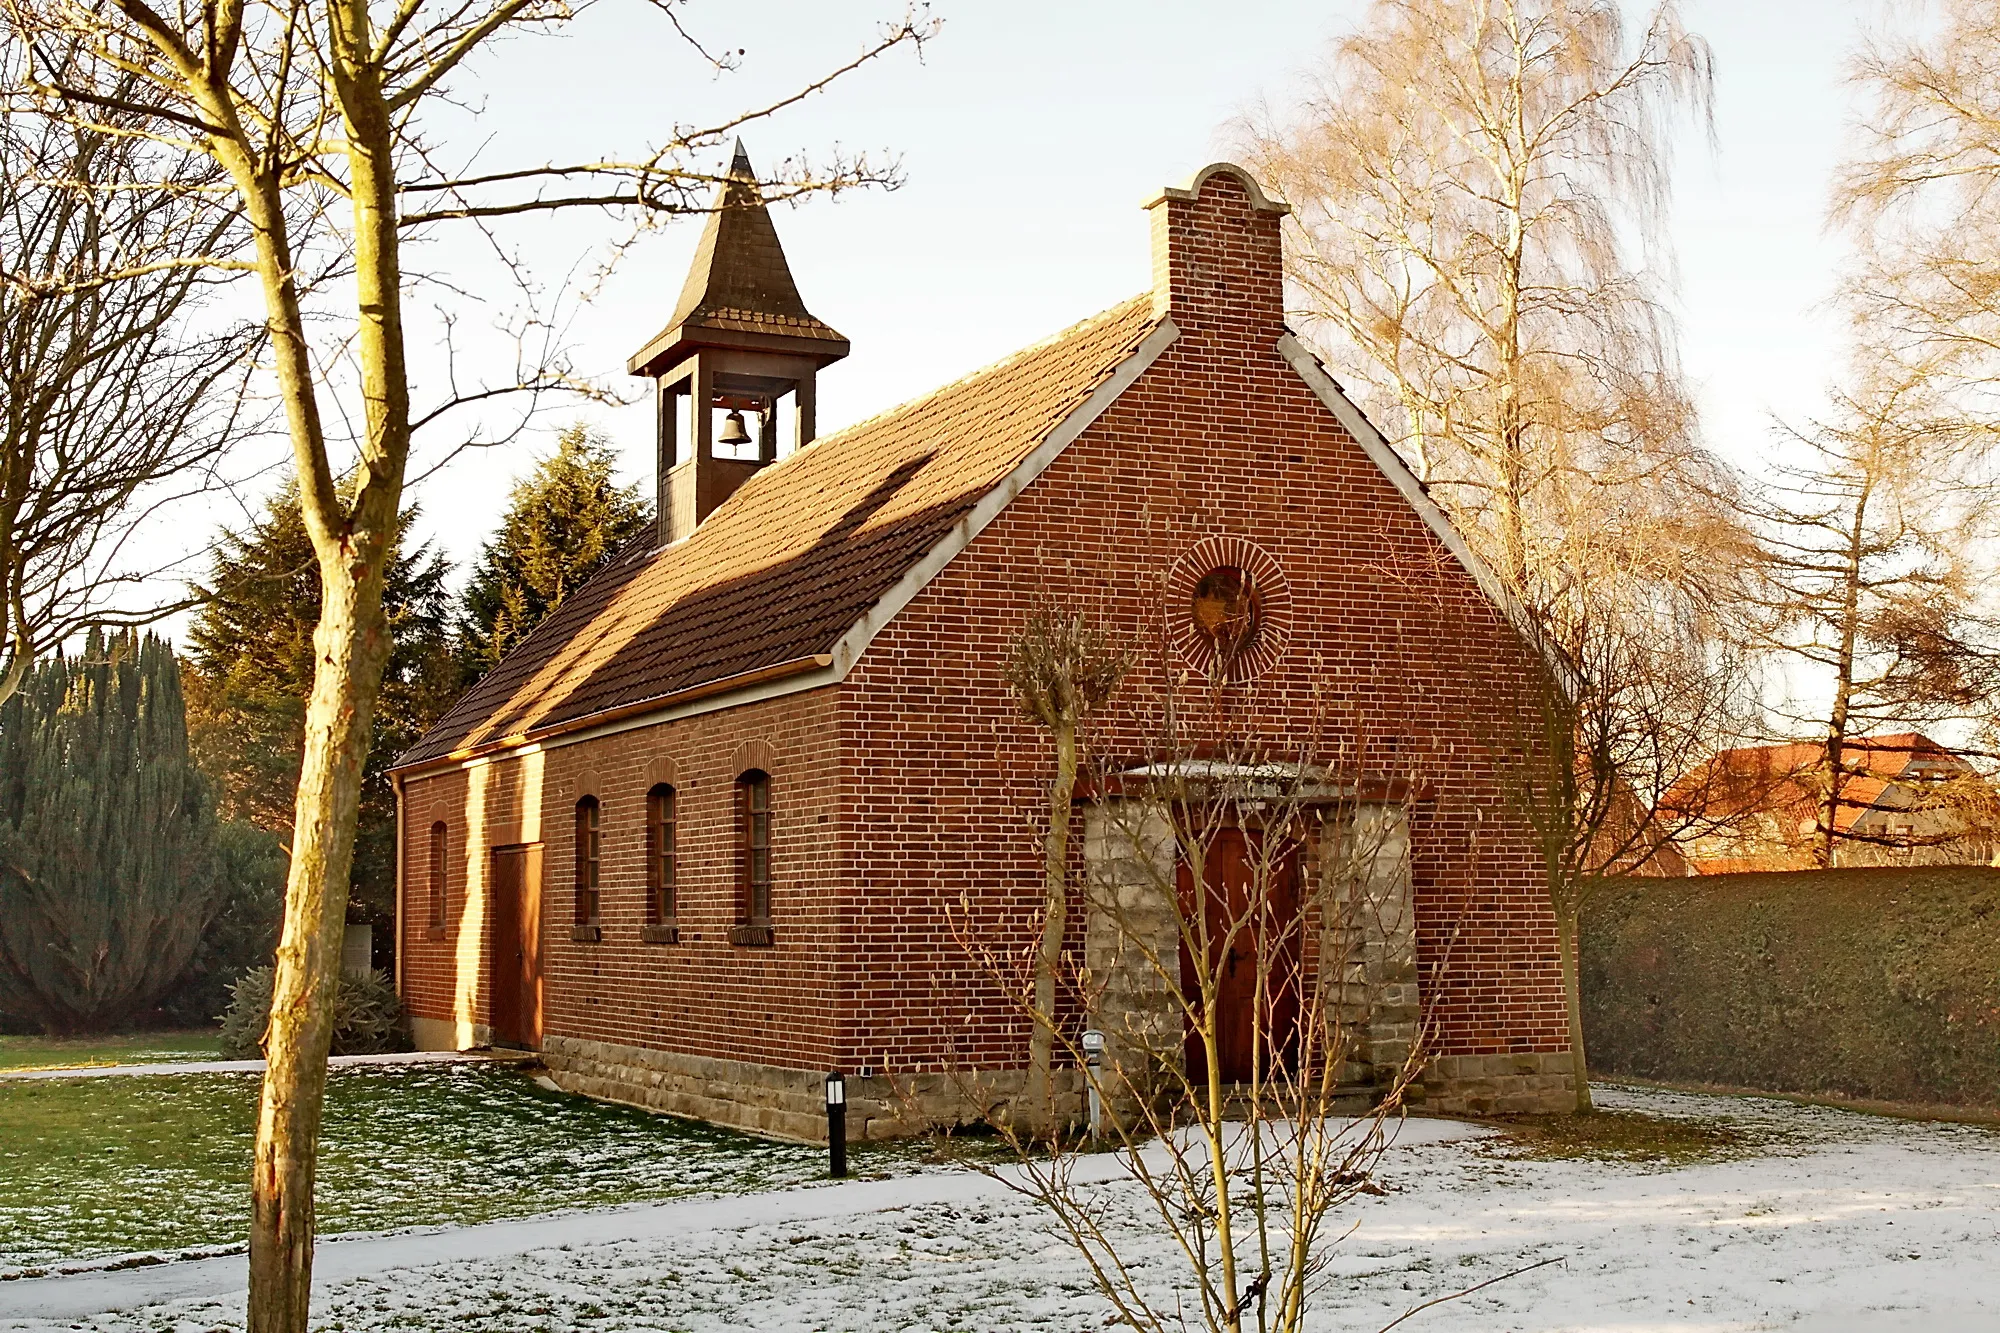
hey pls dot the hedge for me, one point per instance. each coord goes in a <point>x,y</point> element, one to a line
<point>1880,984</point>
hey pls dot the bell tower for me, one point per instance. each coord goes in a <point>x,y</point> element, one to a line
<point>741,344</point>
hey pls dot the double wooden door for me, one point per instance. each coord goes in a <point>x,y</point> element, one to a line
<point>514,973</point>
<point>1250,905</point>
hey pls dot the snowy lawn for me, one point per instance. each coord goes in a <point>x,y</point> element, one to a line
<point>104,1166</point>
<point>1751,1215</point>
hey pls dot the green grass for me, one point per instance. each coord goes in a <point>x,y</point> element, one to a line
<point>128,1048</point>
<point>103,1166</point>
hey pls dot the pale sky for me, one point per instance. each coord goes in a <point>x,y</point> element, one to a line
<point>1031,131</point>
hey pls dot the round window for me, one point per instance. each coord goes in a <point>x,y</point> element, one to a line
<point>1229,608</point>
<point>1224,608</point>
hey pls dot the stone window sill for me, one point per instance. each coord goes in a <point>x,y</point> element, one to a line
<point>586,934</point>
<point>433,932</point>
<point>666,932</point>
<point>751,937</point>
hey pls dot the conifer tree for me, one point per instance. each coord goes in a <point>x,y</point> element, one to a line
<point>567,518</point>
<point>109,870</point>
<point>250,669</point>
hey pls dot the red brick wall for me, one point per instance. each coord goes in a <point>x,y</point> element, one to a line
<point>914,786</point>
<point>703,995</point>
<point>1393,651</point>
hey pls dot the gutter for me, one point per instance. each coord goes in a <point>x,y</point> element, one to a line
<point>659,703</point>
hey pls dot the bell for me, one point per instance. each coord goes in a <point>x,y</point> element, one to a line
<point>733,430</point>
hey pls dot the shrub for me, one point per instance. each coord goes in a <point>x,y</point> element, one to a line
<point>367,1016</point>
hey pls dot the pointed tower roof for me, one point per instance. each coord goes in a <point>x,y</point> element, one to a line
<point>739,291</point>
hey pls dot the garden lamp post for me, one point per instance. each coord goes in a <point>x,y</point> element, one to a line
<point>1093,1059</point>
<point>836,1124</point>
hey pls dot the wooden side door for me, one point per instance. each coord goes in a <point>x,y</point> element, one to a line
<point>1266,943</point>
<point>515,960</point>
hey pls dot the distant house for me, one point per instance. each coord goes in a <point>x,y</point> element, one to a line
<point>1898,799</point>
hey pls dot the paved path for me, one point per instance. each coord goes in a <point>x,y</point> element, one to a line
<point>257,1066</point>
<point>81,1295</point>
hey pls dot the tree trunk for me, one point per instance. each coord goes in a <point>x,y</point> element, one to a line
<point>1040,1098</point>
<point>1843,681</point>
<point>1568,939</point>
<point>352,540</point>
<point>352,642</point>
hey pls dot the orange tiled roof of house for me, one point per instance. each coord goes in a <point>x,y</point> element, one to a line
<point>797,556</point>
<point>1772,777</point>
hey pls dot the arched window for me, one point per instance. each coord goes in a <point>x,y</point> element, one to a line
<point>661,868</point>
<point>753,819</point>
<point>589,849</point>
<point>440,849</point>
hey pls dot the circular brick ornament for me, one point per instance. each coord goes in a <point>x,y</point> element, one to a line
<point>1229,608</point>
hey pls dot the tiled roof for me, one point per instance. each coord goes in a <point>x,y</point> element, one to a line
<point>797,556</point>
<point>1778,777</point>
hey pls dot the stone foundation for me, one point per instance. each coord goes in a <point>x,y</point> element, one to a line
<point>1537,1082</point>
<point>781,1103</point>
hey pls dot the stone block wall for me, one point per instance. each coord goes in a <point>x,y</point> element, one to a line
<point>1132,950</point>
<point>1368,939</point>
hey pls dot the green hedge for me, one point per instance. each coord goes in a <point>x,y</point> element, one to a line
<point>1881,984</point>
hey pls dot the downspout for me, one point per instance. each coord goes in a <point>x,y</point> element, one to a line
<point>402,933</point>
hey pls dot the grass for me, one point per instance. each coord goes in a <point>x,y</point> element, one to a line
<point>128,1048</point>
<point>96,1167</point>
<point>1621,1136</point>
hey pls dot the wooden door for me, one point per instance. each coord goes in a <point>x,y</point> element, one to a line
<point>515,974</point>
<point>1265,942</point>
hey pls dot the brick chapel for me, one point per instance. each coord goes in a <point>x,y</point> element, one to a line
<point>697,839</point>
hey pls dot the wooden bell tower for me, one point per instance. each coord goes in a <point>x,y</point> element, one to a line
<point>741,343</point>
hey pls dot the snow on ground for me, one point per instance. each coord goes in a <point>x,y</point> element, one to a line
<point>1839,1221</point>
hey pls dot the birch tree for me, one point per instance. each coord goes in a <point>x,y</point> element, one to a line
<point>1479,192</point>
<point>1919,192</point>
<point>324,120</point>
<point>1879,539</point>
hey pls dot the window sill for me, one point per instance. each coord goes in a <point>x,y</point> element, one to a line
<point>665,933</point>
<point>752,937</point>
<point>586,934</point>
<point>433,932</point>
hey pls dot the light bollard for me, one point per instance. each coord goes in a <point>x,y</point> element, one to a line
<point>836,1124</point>
<point>1093,1060</point>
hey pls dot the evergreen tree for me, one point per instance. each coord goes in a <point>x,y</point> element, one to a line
<point>109,867</point>
<point>565,521</point>
<point>250,668</point>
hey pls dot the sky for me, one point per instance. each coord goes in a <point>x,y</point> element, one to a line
<point>1029,133</point>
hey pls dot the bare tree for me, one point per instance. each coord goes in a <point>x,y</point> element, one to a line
<point>1608,748</point>
<point>106,391</point>
<point>1480,192</point>
<point>323,116</point>
<point>1875,579</point>
<point>1063,669</point>
<point>1920,193</point>
<point>1248,971</point>
<point>1465,180</point>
